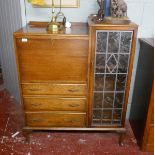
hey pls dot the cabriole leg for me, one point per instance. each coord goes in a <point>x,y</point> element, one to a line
<point>121,138</point>
<point>26,134</point>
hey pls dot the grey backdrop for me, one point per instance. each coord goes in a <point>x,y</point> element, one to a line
<point>10,21</point>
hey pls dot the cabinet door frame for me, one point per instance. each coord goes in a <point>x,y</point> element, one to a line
<point>92,48</point>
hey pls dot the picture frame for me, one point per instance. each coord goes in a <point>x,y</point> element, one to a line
<point>48,3</point>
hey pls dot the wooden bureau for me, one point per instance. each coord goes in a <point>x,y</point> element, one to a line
<point>53,72</point>
<point>56,73</point>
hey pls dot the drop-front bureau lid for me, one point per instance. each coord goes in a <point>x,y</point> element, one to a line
<point>45,56</point>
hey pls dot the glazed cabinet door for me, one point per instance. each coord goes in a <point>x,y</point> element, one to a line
<point>111,61</point>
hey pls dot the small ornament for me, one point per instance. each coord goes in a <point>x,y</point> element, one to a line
<point>118,13</point>
<point>68,25</point>
<point>100,15</point>
<point>118,8</point>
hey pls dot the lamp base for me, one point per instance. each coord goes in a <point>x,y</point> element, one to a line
<point>55,27</point>
<point>52,27</point>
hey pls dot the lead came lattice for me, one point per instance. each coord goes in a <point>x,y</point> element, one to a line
<point>110,76</point>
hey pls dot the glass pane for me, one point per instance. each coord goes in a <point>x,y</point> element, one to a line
<point>112,61</point>
<point>108,100</point>
<point>121,81</point>
<point>106,121</point>
<point>101,42</point>
<point>116,122</point>
<point>99,82</point>
<point>119,97</point>
<point>117,115</point>
<point>97,114</point>
<point>110,82</point>
<point>125,42</point>
<point>123,63</point>
<point>113,44</point>
<point>98,97</point>
<point>107,116</point>
<point>96,122</point>
<point>100,63</point>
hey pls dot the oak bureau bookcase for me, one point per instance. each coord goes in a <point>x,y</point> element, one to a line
<point>76,79</point>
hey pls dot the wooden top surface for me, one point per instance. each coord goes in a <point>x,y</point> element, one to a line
<point>40,28</point>
<point>77,28</point>
<point>92,23</point>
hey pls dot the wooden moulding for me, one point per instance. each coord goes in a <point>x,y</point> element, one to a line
<point>119,130</point>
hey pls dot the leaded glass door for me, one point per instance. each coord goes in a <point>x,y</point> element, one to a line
<point>110,75</point>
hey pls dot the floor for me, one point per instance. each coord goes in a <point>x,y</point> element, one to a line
<point>56,143</point>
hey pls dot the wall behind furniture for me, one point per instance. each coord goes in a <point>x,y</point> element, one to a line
<point>139,11</point>
<point>10,21</point>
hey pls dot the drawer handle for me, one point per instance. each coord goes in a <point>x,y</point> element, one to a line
<point>34,89</point>
<point>36,120</point>
<point>73,91</point>
<point>36,104</point>
<point>74,121</point>
<point>74,105</point>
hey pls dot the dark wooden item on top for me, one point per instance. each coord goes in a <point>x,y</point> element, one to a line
<point>142,107</point>
<point>100,14</point>
<point>56,74</point>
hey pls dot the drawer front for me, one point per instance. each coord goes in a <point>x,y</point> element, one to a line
<point>54,89</point>
<point>54,103</point>
<point>52,59</point>
<point>53,119</point>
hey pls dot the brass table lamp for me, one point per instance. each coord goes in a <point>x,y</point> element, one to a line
<point>53,25</point>
<point>58,21</point>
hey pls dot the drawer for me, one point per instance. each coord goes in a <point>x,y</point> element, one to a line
<point>55,119</point>
<point>54,103</point>
<point>54,89</point>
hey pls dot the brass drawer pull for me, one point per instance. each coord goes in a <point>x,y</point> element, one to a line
<point>74,121</point>
<point>36,120</point>
<point>34,89</point>
<point>73,91</point>
<point>74,105</point>
<point>36,104</point>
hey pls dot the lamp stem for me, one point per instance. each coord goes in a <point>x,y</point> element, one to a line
<point>60,5</point>
<point>53,10</point>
